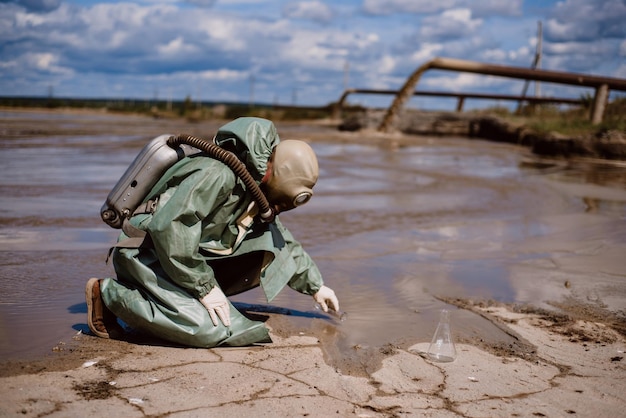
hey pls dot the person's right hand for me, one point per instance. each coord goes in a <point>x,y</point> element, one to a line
<point>326,297</point>
<point>217,305</point>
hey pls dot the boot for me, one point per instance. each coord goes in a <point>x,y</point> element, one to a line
<point>102,322</point>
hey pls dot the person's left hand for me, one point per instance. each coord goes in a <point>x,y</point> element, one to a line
<point>217,305</point>
<point>326,297</point>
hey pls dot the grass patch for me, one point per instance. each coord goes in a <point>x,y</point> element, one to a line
<point>573,122</point>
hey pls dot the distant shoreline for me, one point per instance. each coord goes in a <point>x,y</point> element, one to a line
<point>609,145</point>
<point>606,146</point>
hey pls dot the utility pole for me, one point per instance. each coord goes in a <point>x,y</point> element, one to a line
<point>536,63</point>
<point>251,102</point>
<point>50,94</point>
<point>199,101</point>
<point>538,57</point>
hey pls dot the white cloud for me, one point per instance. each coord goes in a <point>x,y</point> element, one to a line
<point>480,8</point>
<point>306,49</point>
<point>387,7</point>
<point>426,52</point>
<point>386,64</point>
<point>455,23</point>
<point>25,20</point>
<point>176,47</point>
<point>223,75</point>
<point>34,64</point>
<point>462,82</point>
<point>201,3</point>
<point>495,55</point>
<point>521,52</point>
<point>43,61</point>
<point>244,2</point>
<point>587,20</point>
<point>223,33</point>
<point>325,51</point>
<point>107,17</point>
<point>578,48</point>
<point>310,10</point>
<point>484,8</point>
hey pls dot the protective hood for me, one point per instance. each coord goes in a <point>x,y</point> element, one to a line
<point>252,140</point>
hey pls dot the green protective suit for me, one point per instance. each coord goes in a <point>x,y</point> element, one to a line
<point>196,244</point>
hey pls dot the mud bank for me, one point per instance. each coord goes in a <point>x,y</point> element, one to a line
<point>559,375</point>
<point>610,145</point>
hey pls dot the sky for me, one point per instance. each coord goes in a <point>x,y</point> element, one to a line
<point>297,52</point>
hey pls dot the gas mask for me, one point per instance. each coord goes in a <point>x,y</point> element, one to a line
<point>294,172</point>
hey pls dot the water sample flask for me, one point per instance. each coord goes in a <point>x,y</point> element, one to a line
<point>441,347</point>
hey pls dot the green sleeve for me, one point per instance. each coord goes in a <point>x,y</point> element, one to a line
<point>178,222</point>
<point>307,279</point>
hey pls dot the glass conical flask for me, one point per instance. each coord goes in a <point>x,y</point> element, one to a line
<point>441,348</point>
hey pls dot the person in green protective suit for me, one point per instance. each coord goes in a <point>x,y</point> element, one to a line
<point>204,242</point>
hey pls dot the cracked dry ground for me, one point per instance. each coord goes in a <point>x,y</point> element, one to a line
<point>566,374</point>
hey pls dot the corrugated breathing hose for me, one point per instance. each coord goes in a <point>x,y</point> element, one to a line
<point>265,211</point>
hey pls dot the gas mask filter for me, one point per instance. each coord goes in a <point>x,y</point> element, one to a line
<point>294,173</point>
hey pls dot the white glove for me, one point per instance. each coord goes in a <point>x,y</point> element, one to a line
<point>217,305</point>
<point>326,297</point>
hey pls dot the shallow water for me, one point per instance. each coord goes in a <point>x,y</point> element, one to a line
<point>392,229</point>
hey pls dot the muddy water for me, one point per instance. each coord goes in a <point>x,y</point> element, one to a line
<point>396,224</point>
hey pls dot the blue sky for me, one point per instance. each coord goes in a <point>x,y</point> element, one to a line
<point>295,51</point>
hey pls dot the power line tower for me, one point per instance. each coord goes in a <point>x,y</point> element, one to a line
<point>536,64</point>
